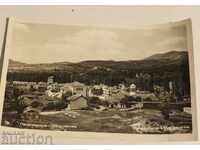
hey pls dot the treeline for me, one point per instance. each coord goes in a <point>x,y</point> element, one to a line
<point>145,76</point>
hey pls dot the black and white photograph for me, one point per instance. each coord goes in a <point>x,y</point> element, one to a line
<point>98,79</point>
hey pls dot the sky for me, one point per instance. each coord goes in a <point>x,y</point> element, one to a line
<point>40,43</point>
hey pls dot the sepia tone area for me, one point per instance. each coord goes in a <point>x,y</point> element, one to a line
<point>95,79</point>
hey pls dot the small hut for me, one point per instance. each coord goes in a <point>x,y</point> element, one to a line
<point>77,102</point>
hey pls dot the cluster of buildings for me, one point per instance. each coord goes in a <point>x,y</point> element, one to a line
<point>102,91</point>
<point>78,93</point>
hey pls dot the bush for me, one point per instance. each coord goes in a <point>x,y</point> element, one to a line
<point>165,108</point>
<point>94,101</point>
<point>55,105</point>
<point>66,95</point>
<point>148,99</point>
<point>36,104</point>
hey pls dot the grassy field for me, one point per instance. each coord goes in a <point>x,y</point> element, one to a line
<point>144,121</point>
<point>141,121</point>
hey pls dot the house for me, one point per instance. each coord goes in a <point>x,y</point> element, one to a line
<point>77,102</point>
<point>105,91</point>
<point>115,100</point>
<point>66,89</point>
<point>77,88</point>
<point>42,86</point>
<point>133,87</point>
<point>50,80</point>
<point>147,96</point>
<point>132,90</point>
<point>187,110</point>
<point>23,83</point>
<point>121,86</point>
<point>51,94</point>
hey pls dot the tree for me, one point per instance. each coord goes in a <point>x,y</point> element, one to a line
<point>21,103</point>
<point>94,101</point>
<point>66,95</point>
<point>37,104</point>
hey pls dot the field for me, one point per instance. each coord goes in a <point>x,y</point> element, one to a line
<point>144,121</point>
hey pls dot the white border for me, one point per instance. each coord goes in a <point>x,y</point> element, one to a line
<point>100,2</point>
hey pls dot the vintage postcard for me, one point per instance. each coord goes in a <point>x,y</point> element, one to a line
<point>93,79</point>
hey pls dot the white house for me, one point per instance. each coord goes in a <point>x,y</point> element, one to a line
<point>132,88</point>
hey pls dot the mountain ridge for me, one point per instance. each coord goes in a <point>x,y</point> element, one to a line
<point>152,57</point>
<point>152,62</point>
<point>168,55</point>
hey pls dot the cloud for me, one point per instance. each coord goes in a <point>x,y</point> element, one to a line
<point>88,44</point>
<point>173,43</point>
<point>36,43</point>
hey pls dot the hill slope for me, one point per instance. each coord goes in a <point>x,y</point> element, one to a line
<point>172,55</point>
<point>152,62</point>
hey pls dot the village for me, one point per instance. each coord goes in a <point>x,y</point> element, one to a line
<point>76,104</point>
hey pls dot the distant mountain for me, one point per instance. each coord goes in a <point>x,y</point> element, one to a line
<point>172,55</point>
<point>19,66</point>
<point>15,63</point>
<point>158,61</point>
